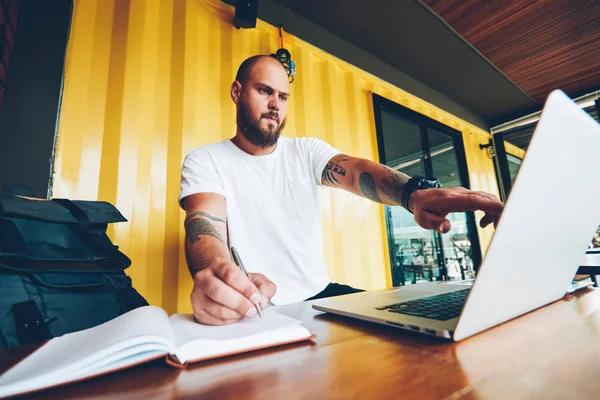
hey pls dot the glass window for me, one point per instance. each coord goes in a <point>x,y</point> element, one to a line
<point>514,163</point>
<point>416,145</point>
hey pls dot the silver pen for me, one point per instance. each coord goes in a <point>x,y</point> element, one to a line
<point>238,260</point>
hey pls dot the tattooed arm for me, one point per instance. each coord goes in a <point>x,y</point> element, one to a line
<point>365,178</point>
<point>385,185</point>
<point>222,293</point>
<point>205,230</point>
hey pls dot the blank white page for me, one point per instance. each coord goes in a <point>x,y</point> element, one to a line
<point>198,342</point>
<point>186,329</point>
<point>61,359</point>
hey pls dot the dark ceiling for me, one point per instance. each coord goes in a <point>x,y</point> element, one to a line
<point>498,58</point>
<point>539,44</point>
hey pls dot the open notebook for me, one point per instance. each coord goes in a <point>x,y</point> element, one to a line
<point>141,335</point>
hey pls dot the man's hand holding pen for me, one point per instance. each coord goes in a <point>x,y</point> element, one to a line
<point>238,261</point>
<point>224,294</point>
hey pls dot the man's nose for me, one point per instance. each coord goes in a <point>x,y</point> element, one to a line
<point>274,104</point>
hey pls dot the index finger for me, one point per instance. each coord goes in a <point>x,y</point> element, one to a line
<point>214,288</point>
<point>265,286</point>
<point>470,201</point>
<point>234,277</point>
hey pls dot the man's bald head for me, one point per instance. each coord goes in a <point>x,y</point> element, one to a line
<point>260,92</point>
<point>249,63</point>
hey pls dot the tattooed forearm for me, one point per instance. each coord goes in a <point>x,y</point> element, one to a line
<point>333,168</point>
<point>201,214</point>
<point>368,187</point>
<point>366,178</point>
<point>200,227</point>
<point>393,185</point>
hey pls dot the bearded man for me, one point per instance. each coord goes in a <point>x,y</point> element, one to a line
<point>257,192</point>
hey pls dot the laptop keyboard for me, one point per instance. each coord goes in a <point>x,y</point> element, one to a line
<point>441,307</point>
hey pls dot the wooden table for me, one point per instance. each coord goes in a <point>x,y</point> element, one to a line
<point>553,352</point>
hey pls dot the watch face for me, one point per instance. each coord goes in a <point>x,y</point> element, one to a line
<point>425,183</point>
<point>417,183</point>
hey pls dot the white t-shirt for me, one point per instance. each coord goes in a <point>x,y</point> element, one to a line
<point>273,213</point>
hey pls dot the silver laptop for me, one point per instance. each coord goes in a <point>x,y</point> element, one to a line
<point>547,224</point>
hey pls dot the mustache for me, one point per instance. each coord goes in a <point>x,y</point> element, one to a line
<point>271,115</point>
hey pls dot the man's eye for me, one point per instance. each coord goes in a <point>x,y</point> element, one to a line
<point>283,98</point>
<point>263,90</point>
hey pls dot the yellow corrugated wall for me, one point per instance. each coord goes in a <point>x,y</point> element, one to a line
<point>146,81</point>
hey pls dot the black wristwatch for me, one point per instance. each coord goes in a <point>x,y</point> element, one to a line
<point>417,183</point>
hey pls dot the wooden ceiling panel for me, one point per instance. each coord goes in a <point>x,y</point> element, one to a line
<point>540,45</point>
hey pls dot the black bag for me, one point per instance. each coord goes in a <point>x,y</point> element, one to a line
<point>59,271</point>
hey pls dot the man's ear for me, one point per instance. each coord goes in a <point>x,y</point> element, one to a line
<point>236,90</point>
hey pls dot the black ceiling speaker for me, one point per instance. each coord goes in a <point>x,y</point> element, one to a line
<point>245,13</point>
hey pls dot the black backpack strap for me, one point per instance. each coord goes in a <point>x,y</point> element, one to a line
<point>78,213</point>
<point>98,242</point>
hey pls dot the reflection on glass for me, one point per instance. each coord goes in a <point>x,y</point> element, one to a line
<point>456,250</point>
<point>413,257</point>
<point>420,255</point>
<point>514,163</point>
<point>414,249</point>
<point>596,240</point>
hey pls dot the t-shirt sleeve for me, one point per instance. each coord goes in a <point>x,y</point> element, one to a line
<point>319,154</point>
<point>199,175</point>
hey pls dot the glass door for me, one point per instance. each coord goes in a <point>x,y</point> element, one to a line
<point>455,248</point>
<point>514,164</point>
<point>416,145</point>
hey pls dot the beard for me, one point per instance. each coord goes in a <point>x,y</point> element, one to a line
<point>253,132</point>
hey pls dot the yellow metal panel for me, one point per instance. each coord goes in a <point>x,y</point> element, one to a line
<point>147,81</point>
<point>481,174</point>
